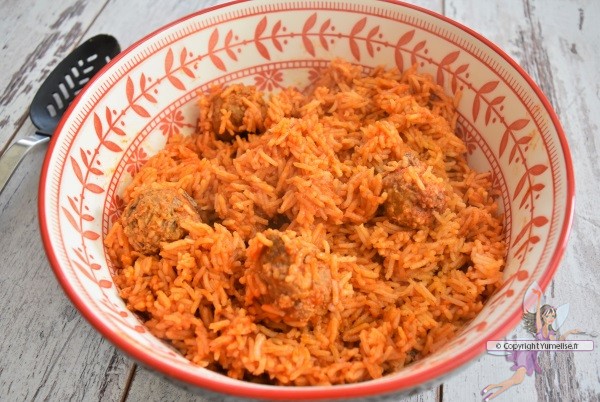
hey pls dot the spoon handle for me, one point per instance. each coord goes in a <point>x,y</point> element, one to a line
<point>11,158</point>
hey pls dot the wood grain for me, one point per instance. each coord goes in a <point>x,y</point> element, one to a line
<point>149,386</point>
<point>555,42</point>
<point>35,37</point>
<point>44,337</point>
<point>49,352</point>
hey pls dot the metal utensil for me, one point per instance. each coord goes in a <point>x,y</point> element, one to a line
<point>55,95</point>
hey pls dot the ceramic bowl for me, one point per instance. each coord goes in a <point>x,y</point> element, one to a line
<point>148,92</point>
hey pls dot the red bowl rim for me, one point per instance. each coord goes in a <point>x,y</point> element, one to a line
<point>368,388</point>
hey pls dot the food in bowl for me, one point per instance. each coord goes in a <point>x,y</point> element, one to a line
<point>149,93</point>
<point>326,237</point>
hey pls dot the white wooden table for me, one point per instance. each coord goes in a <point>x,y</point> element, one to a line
<point>49,352</point>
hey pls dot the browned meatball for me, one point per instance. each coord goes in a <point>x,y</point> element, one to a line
<point>414,194</point>
<point>242,106</point>
<point>296,281</point>
<point>154,216</point>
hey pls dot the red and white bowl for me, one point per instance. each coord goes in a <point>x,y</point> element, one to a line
<point>147,93</point>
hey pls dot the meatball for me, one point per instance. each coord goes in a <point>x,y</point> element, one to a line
<point>295,281</point>
<point>242,106</point>
<point>414,193</point>
<point>155,216</point>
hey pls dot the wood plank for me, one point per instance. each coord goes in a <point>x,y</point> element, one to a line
<point>150,386</point>
<point>556,42</point>
<point>517,36</point>
<point>130,21</point>
<point>573,51</point>
<point>48,351</point>
<point>34,37</point>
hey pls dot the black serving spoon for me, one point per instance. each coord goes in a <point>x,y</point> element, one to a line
<point>55,95</point>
